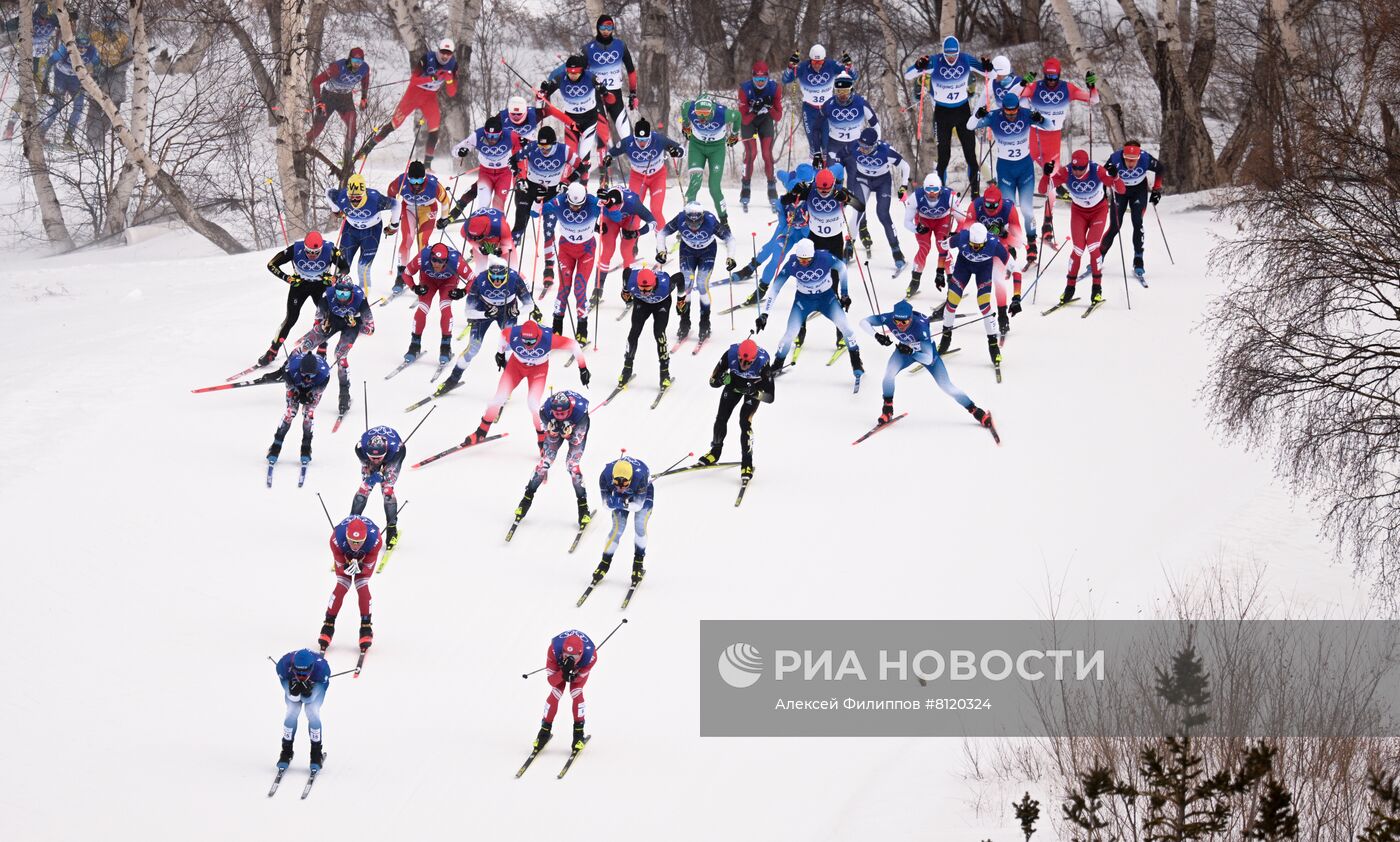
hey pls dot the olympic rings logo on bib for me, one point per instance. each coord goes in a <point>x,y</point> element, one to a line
<point>954,72</point>
<point>1051,97</point>
<point>607,57</point>
<point>1009,128</point>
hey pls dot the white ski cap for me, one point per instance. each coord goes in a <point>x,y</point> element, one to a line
<point>496,260</point>
<point>932,181</point>
<point>977,234</point>
<point>446,45</point>
<point>577,193</point>
<point>804,250</point>
<point>1001,66</point>
<point>817,53</point>
<point>694,207</point>
<point>516,106</point>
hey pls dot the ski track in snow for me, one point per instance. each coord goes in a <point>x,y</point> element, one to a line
<point>150,572</point>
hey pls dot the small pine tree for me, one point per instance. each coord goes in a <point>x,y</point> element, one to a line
<point>1027,813</point>
<point>1276,819</point>
<point>1082,806</point>
<point>1384,823</point>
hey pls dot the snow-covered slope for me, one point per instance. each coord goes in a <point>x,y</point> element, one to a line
<point>148,572</point>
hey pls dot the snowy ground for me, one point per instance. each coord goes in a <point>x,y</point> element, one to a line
<point>150,573</point>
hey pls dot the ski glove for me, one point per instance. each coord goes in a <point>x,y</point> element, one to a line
<point>364,103</point>
<point>1028,78</point>
<point>845,302</point>
<point>883,339</point>
<point>921,63</point>
<point>1156,195</point>
<point>761,322</point>
<point>1037,118</point>
<point>1062,194</point>
<point>633,102</point>
<point>374,479</point>
<point>903,349</point>
<point>902,191</point>
<point>420,289</point>
<point>457,293</point>
<point>847,60</point>
<point>500,359</point>
<point>981,112</point>
<point>731,140</point>
<point>1049,168</point>
<point>391,228</point>
<point>584,375</point>
<point>922,229</point>
<point>675,152</point>
<point>442,223</point>
<point>1015,305</point>
<point>631,234</point>
<point>535,314</point>
<point>660,258</point>
<point>352,567</point>
<point>794,58</point>
<point>1091,79</point>
<point>320,107</point>
<point>729,264</point>
<point>1111,168</point>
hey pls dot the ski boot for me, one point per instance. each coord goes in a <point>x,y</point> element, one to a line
<point>626,375</point>
<point>275,450</point>
<point>285,758</point>
<point>1031,252</point>
<point>856,366</point>
<point>584,518</point>
<point>270,354</point>
<point>709,458</point>
<point>994,349</point>
<point>391,536</point>
<point>746,471</point>
<point>399,285</point>
<point>940,279</point>
<point>558,324</point>
<point>1047,234</point>
<point>945,341</point>
<point>597,297</point>
<point>578,735</point>
<point>543,736</point>
<point>454,379</point>
<point>415,347</point>
<point>327,631</point>
<point>746,271</point>
<point>848,253</point>
<point>866,241</point>
<point>525,503</point>
<point>913,284</point>
<point>548,272</point>
<point>1015,306</point>
<point>981,416</point>
<point>665,376</point>
<point>344,404</point>
<point>1068,293</point>
<point>773,194</point>
<point>899,263</point>
<point>581,335</point>
<point>317,756</point>
<point>886,413</point>
<point>1137,266</point>
<point>306,448</point>
<point>602,569</point>
<point>1003,322</point>
<point>366,633</point>
<point>704,325</point>
<point>482,429</point>
<point>744,195</point>
<point>638,571</point>
<point>1096,292</point>
<point>684,329</point>
<point>445,351</point>
<point>755,296</point>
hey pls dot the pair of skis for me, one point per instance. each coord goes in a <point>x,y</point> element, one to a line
<point>626,600</point>
<point>1092,307</point>
<point>743,482</point>
<point>990,427</point>
<point>568,764</point>
<point>463,446</point>
<point>301,477</point>
<point>305,791</point>
<point>578,535</point>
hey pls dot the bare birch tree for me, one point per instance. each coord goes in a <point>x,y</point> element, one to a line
<point>50,212</point>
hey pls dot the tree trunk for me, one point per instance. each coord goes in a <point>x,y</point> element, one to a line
<point>653,73</point>
<point>593,8</point>
<point>50,212</point>
<point>947,21</point>
<point>811,26</point>
<point>168,186</point>
<point>756,39</point>
<point>294,81</point>
<point>1030,21</point>
<point>120,199</point>
<point>1111,113</point>
<point>898,125</point>
<point>408,24</point>
<point>190,59</point>
<point>457,111</point>
<point>707,30</point>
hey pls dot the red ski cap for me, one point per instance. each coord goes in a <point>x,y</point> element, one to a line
<point>1079,160</point>
<point>573,645</point>
<point>356,530</point>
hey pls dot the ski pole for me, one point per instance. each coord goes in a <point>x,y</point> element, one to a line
<point>365,383</point>
<point>344,672</point>
<point>675,463</point>
<point>1124,265</point>
<point>403,188</point>
<point>1164,235</point>
<point>286,241</point>
<point>326,510</point>
<point>610,634</point>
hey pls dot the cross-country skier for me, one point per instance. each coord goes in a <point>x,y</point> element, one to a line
<point>1003,221</point>
<point>650,296</point>
<point>1051,97</point>
<point>355,544</point>
<point>980,257</point>
<point>307,374</point>
<point>495,298</point>
<point>790,229</point>
<point>817,80</point>
<point>847,115</point>
<point>575,217</point>
<point>710,130</point>
<point>432,72</point>
<point>760,111</point>
<point>816,274</point>
<point>381,453</point>
<point>609,61</point>
<point>700,232</point>
<point>877,170</point>
<point>1086,184</point>
<point>495,147</point>
<point>45,24</point>
<point>568,663</point>
<point>1001,80</point>
<point>645,151</point>
<point>583,98</point>
<point>1133,164</point>
<point>520,118</point>
<point>362,212</point>
<point>909,332</point>
<point>627,488</point>
<point>541,169</point>
<point>928,212</point>
<point>486,230</point>
<point>343,310</point>
<point>315,265</point>
<point>439,269</point>
<point>1011,127</point>
<point>825,205</point>
<point>949,77</point>
<point>623,215</point>
<point>305,677</point>
<point>564,419</point>
<point>421,196</point>
<point>528,346</point>
<point>113,43</point>
<point>66,89</point>
<point>333,89</point>
<point>744,377</point>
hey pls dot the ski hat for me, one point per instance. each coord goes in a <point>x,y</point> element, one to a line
<point>1010,101</point>
<point>748,349</point>
<point>1079,160</point>
<point>1051,68</point>
<point>646,280</point>
<point>575,62</point>
<point>903,311</point>
<point>438,254</point>
<point>356,185</point>
<point>844,81</point>
<point>825,180</point>
<point>313,241</point>
<point>805,173</point>
<point>869,137</point>
<point>478,226</point>
<point>497,270</point>
<point>530,332</point>
<point>515,106</point>
<point>493,124</point>
<point>446,46</point>
<point>417,170</point>
<point>356,529</point>
<point>357,53</point>
<point>309,364</point>
<point>694,214</point>
<point>932,181</point>
<point>991,197</point>
<point>610,196</point>
<point>546,135</point>
<point>303,660</point>
<point>705,104</point>
<point>573,644</point>
<point>344,290</point>
<point>817,53</point>
<point>838,171</point>
<point>1132,149</point>
<point>642,129</point>
<point>561,406</point>
<point>951,46</point>
<point>760,68</point>
<point>1001,66</point>
<point>577,194</point>
<point>977,234</point>
<point>598,27</point>
<point>377,447</point>
<point>621,475</point>
<point>804,250</point>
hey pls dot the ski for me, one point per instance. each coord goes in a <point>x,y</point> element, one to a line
<point>271,463</point>
<point>586,591</point>
<point>301,478</point>
<point>577,535</point>
<point>614,393</point>
<point>696,468</point>
<point>737,307</point>
<point>625,310</point>
<point>855,390</point>
<point>992,428</point>
<point>573,755</point>
<point>661,394</point>
<point>743,489</point>
<point>442,366</point>
<point>836,356</point>
<point>898,269</point>
<point>878,427</point>
<point>1092,307</point>
<point>451,450</point>
<point>339,418</point>
<point>394,292</point>
<point>699,346</point>
<point>276,781</point>
<point>270,377</point>
<point>997,368</point>
<point>389,553</point>
<point>311,780</point>
<point>255,366</point>
<point>403,365</point>
<point>679,342</point>
<point>360,663</point>
<point>1058,306</point>
<point>631,589</point>
<point>534,752</point>
<point>510,533</point>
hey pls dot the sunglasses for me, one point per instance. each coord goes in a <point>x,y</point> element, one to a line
<point>423,180</point>
<point>760,79</point>
<point>621,482</point>
<point>355,62</point>
<point>445,52</point>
